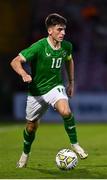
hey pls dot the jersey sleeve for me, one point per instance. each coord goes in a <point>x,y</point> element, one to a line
<point>30,53</point>
<point>69,52</point>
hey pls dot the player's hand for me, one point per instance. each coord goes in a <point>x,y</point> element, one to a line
<point>70,89</point>
<point>27,78</point>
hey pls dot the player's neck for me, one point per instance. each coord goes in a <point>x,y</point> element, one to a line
<point>53,43</point>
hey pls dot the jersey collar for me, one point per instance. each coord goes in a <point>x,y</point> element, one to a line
<point>49,42</point>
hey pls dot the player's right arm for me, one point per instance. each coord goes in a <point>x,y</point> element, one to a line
<point>17,65</point>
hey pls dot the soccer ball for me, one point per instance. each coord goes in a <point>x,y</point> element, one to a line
<point>66,159</point>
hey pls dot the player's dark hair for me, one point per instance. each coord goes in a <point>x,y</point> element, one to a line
<point>54,19</point>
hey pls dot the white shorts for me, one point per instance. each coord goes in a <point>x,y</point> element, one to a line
<point>37,105</point>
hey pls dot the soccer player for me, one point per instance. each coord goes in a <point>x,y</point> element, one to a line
<point>46,88</point>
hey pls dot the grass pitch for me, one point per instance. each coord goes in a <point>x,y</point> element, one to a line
<point>49,140</point>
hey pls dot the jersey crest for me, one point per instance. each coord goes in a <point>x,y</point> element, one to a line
<point>47,53</point>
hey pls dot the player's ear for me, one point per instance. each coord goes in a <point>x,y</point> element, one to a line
<point>50,30</point>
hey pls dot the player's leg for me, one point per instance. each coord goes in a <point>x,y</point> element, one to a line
<point>58,99</point>
<point>28,136</point>
<point>36,107</point>
<point>69,122</point>
<point>63,108</point>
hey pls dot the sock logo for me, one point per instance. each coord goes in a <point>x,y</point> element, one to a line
<point>71,127</point>
<point>26,142</point>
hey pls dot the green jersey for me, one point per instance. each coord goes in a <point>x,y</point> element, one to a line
<point>46,65</point>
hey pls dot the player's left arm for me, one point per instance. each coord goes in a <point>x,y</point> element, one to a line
<point>69,65</point>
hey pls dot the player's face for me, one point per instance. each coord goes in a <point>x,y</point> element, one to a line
<point>57,32</point>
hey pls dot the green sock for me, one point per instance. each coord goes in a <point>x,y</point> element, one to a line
<point>69,123</point>
<point>28,139</point>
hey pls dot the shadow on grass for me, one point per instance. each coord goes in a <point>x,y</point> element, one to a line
<point>82,173</point>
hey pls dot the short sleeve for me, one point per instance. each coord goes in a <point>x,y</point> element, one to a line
<point>30,53</point>
<point>69,52</point>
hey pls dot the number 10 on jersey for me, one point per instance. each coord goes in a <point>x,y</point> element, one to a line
<point>56,63</point>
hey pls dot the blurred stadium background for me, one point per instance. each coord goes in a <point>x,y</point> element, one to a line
<point>22,23</point>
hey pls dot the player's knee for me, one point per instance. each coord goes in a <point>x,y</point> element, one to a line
<point>65,113</point>
<point>32,126</point>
